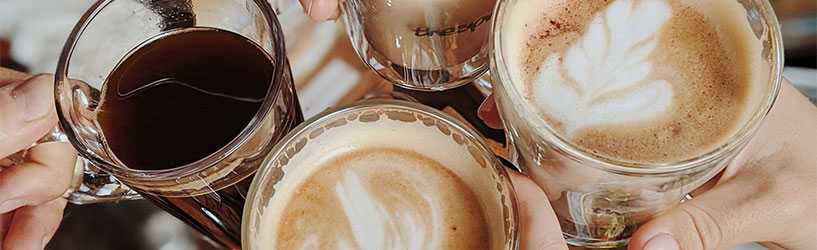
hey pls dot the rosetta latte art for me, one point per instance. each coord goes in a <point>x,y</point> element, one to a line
<point>381,198</point>
<point>375,227</point>
<point>603,78</point>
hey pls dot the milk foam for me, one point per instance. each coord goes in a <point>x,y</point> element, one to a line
<point>636,80</point>
<point>374,226</point>
<point>383,184</point>
<point>602,75</point>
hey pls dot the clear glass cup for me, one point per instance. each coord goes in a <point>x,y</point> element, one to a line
<point>599,201</point>
<point>430,46</point>
<point>319,134</point>
<point>209,193</point>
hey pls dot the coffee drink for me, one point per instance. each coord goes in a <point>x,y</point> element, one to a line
<point>384,179</point>
<point>429,34</point>
<point>389,196</point>
<point>645,81</point>
<point>180,98</point>
<point>425,44</point>
<point>619,108</point>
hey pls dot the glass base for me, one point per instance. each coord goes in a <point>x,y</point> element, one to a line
<point>594,243</point>
<point>483,84</point>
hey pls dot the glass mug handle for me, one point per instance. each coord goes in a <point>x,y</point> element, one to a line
<point>89,184</point>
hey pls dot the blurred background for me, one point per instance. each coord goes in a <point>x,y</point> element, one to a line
<point>327,73</point>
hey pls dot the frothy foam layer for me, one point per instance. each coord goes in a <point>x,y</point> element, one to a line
<point>385,181</point>
<point>602,75</point>
<point>636,80</point>
<point>382,198</point>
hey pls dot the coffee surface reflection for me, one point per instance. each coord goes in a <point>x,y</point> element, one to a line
<point>178,101</point>
<point>182,96</point>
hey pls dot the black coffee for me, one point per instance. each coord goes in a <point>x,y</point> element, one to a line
<point>182,96</point>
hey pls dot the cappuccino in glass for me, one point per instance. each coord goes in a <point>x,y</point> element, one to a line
<point>384,176</point>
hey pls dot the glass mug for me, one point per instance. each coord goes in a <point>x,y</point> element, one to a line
<point>600,201</point>
<point>380,125</point>
<point>429,46</point>
<point>209,193</point>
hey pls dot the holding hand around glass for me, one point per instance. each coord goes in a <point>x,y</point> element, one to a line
<point>761,196</point>
<point>31,200</point>
<point>182,105</point>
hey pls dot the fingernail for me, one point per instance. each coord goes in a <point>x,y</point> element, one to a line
<point>45,241</point>
<point>307,4</point>
<point>10,205</point>
<point>662,242</point>
<point>335,14</point>
<point>34,97</point>
<point>484,111</point>
<point>486,107</point>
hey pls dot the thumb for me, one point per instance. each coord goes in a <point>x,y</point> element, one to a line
<point>26,109</point>
<point>737,211</point>
<point>538,225</point>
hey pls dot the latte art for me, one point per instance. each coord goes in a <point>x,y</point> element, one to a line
<point>385,180</point>
<point>391,199</point>
<point>382,198</point>
<point>635,80</point>
<point>604,75</point>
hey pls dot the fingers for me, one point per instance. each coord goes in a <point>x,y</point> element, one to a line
<point>26,110</point>
<point>8,76</point>
<point>538,226</point>
<point>5,223</point>
<point>29,210</point>
<point>489,114</point>
<point>745,209</point>
<point>45,176</point>
<point>33,227</point>
<point>321,10</point>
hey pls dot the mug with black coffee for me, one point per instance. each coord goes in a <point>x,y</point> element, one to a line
<point>178,100</point>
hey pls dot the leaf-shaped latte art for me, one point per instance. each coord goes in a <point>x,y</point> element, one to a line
<point>373,226</point>
<point>600,79</point>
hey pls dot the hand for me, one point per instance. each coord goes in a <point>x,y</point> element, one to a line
<point>30,193</point>
<point>768,194</point>
<point>322,10</point>
<point>538,226</point>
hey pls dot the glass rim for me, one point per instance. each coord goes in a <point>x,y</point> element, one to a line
<point>65,117</point>
<point>319,119</point>
<point>739,139</point>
